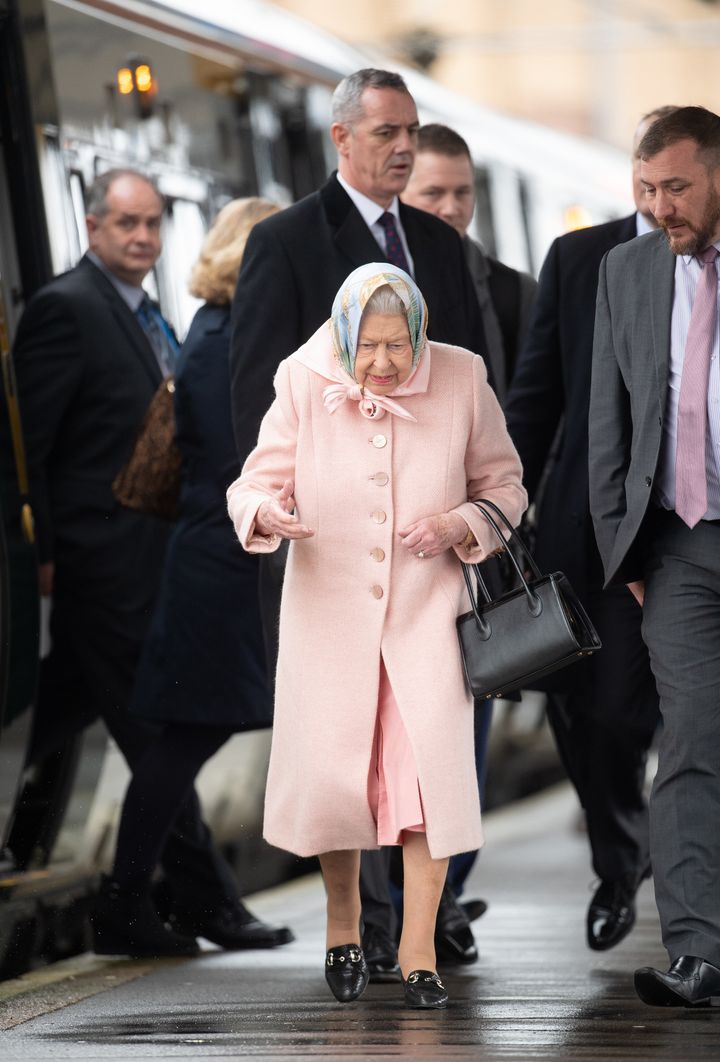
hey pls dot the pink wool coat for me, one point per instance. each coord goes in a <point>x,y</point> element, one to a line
<point>353,592</point>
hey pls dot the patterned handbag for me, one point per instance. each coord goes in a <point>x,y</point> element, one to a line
<point>150,480</point>
<point>508,641</point>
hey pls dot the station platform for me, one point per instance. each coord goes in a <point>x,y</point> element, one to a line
<point>536,992</point>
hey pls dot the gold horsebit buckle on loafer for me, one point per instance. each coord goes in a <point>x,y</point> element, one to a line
<point>414,977</point>
<point>353,955</point>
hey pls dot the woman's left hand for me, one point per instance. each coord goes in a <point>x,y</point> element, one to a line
<point>434,534</point>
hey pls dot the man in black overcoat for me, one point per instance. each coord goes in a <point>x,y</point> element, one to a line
<point>293,266</point>
<point>604,711</point>
<point>90,353</point>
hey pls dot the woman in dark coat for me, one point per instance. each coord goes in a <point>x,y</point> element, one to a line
<point>202,675</point>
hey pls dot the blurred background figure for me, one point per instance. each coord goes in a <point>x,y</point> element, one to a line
<point>90,352</point>
<point>202,673</point>
<point>603,712</point>
<point>443,183</point>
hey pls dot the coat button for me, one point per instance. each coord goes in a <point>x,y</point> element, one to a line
<point>379,516</point>
<point>377,554</point>
<point>376,591</point>
<point>379,441</point>
<point>380,478</point>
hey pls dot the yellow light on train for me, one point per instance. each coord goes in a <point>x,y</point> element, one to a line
<point>125,81</point>
<point>143,78</point>
<point>577,217</point>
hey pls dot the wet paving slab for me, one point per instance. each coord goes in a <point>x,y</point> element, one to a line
<point>537,992</point>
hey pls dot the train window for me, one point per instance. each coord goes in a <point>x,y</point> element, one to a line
<point>508,207</point>
<point>77,196</point>
<point>526,216</point>
<point>183,234</point>
<point>483,221</point>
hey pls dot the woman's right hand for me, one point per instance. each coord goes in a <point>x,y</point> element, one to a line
<point>276,517</point>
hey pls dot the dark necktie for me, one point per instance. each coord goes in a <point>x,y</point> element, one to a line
<point>393,247</point>
<point>159,335</point>
<point>690,473</point>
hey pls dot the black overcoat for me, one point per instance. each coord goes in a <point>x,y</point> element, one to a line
<point>203,658</point>
<point>86,374</point>
<point>551,387</point>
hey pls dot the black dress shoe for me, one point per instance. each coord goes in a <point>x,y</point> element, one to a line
<point>380,955</point>
<point>611,915</point>
<point>424,988</point>
<point>126,923</point>
<point>474,909</point>
<point>690,982</point>
<point>346,972</point>
<point>454,941</point>
<point>233,927</point>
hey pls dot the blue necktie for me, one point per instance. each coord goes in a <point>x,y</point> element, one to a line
<point>393,245</point>
<point>159,335</point>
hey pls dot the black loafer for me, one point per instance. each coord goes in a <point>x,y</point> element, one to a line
<point>380,956</point>
<point>424,988</point>
<point>611,915</point>
<point>346,972</point>
<point>690,982</point>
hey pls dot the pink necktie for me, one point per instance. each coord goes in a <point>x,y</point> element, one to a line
<point>690,474</point>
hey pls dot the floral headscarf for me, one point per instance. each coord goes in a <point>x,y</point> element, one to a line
<point>352,298</point>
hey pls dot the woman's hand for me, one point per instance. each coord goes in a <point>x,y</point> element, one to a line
<point>276,517</point>
<point>434,534</point>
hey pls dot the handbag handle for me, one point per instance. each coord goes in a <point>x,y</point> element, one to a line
<point>534,602</point>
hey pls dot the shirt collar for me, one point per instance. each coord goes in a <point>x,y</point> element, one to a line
<point>130,294</point>
<point>687,258</point>
<point>369,210</point>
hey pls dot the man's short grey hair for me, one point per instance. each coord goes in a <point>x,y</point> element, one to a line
<point>347,105</point>
<point>97,193</point>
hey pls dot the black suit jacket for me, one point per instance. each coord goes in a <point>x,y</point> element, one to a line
<point>86,374</point>
<point>293,266</point>
<point>552,386</point>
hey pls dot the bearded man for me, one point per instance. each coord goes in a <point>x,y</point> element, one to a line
<point>655,501</point>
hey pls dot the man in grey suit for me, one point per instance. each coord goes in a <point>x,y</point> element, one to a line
<point>655,501</point>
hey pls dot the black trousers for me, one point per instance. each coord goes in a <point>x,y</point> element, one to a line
<point>604,729</point>
<point>89,674</point>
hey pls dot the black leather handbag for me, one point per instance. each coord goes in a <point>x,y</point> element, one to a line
<point>508,641</point>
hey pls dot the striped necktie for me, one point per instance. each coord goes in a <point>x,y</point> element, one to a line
<point>690,472</point>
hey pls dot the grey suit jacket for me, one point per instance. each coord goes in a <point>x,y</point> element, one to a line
<point>631,356</point>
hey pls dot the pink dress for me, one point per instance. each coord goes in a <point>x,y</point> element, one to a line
<point>393,787</point>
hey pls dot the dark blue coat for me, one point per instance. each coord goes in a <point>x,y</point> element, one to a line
<point>203,660</point>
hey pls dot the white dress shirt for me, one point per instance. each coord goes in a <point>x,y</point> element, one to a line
<point>371,213</point>
<point>687,274</point>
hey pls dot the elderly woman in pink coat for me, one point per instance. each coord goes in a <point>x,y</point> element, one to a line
<point>368,461</point>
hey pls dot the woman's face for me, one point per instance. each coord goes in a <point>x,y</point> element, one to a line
<point>384,352</point>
